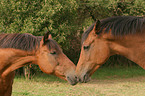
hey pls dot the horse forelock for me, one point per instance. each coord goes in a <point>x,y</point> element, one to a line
<point>119,25</point>
<point>51,44</point>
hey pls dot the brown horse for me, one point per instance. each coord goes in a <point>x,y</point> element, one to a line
<point>123,35</point>
<point>18,50</point>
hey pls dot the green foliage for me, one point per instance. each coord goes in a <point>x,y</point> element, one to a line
<point>66,19</point>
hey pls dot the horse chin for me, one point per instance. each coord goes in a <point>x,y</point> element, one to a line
<point>71,80</point>
<point>61,76</point>
<point>87,77</point>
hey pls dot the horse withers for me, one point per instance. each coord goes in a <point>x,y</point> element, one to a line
<point>123,35</point>
<point>18,50</point>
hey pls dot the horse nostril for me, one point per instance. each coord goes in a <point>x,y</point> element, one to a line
<point>79,80</point>
<point>86,78</point>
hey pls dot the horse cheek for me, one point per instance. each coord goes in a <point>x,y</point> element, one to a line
<point>45,65</point>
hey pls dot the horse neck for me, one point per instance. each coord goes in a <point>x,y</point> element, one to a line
<point>12,59</point>
<point>132,47</point>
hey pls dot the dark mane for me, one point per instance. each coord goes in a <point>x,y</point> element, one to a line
<point>51,44</point>
<point>24,41</point>
<point>119,25</point>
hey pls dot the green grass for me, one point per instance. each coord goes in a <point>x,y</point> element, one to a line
<point>105,82</point>
<point>118,73</point>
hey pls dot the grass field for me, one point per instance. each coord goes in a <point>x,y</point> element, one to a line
<point>105,82</point>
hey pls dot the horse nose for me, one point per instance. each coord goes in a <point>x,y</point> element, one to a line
<point>72,80</point>
<point>84,79</point>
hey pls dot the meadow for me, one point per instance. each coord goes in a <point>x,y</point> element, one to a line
<point>105,82</point>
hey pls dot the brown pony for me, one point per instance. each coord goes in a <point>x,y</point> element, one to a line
<point>123,35</point>
<point>18,50</point>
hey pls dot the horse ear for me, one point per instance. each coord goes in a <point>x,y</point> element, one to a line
<point>97,26</point>
<point>46,37</point>
<point>49,37</point>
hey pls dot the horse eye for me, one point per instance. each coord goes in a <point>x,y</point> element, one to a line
<point>53,53</point>
<point>86,47</point>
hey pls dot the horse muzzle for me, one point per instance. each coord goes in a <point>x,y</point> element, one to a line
<point>73,80</point>
<point>84,78</point>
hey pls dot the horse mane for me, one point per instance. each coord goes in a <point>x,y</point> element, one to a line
<point>119,25</point>
<point>25,41</point>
